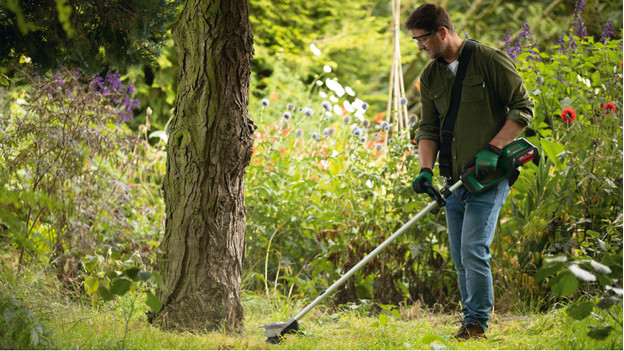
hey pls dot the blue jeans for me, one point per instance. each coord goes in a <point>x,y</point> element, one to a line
<point>471,221</point>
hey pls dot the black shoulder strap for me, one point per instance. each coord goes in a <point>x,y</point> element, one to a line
<point>448,129</point>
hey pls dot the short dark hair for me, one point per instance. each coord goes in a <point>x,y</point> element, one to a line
<point>429,17</point>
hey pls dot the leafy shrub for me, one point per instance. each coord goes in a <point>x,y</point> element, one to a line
<point>19,328</point>
<point>74,178</point>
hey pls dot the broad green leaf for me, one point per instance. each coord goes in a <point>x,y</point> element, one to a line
<point>106,295</point>
<point>580,310</point>
<point>564,284</point>
<point>599,333</point>
<point>553,150</point>
<point>91,284</point>
<point>159,281</point>
<point>132,273</point>
<point>120,286</point>
<point>608,301</point>
<point>153,303</point>
<point>144,276</point>
<point>111,275</point>
<point>429,338</point>
<point>548,270</point>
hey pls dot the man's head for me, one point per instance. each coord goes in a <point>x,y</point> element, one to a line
<point>429,17</point>
<point>433,30</point>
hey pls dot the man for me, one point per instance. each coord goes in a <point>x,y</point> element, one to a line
<point>493,110</point>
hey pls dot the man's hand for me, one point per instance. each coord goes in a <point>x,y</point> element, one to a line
<point>486,160</point>
<point>425,175</point>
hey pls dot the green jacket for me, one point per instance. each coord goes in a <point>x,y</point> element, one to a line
<point>492,93</point>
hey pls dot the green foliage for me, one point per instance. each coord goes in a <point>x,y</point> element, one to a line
<point>86,34</point>
<point>19,328</point>
<point>85,182</point>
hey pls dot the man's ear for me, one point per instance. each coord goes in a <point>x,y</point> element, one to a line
<point>443,32</point>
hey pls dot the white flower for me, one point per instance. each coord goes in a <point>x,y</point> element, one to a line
<point>614,289</point>
<point>149,111</point>
<point>581,274</point>
<point>350,91</point>
<point>327,69</point>
<point>600,268</point>
<point>315,50</point>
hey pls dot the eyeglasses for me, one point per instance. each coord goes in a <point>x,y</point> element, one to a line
<point>419,39</point>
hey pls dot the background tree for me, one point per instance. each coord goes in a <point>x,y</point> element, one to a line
<point>90,34</point>
<point>209,147</point>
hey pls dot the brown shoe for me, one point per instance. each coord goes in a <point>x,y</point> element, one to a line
<point>472,330</point>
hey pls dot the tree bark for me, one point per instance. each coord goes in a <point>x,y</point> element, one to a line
<point>209,147</point>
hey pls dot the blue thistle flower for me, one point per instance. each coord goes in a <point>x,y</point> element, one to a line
<point>362,139</point>
<point>328,132</point>
<point>308,111</point>
<point>265,102</point>
<point>365,123</point>
<point>290,107</point>
<point>364,106</point>
<point>327,106</point>
<point>356,131</point>
<point>299,133</point>
<point>379,147</point>
<point>346,119</point>
<point>390,140</point>
<point>384,125</point>
<point>403,101</point>
<point>286,115</point>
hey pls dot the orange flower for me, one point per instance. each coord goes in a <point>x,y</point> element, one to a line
<point>568,114</point>
<point>417,84</point>
<point>273,97</point>
<point>379,117</point>
<point>609,107</point>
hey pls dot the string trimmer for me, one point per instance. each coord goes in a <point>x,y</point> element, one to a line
<point>514,155</point>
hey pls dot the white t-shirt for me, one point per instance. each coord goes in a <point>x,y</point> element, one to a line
<point>453,66</point>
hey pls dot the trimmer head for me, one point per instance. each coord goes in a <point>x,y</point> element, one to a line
<point>275,331</point>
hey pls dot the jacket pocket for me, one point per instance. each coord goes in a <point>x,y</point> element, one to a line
<point>440,99</point>
<point>473,89</point>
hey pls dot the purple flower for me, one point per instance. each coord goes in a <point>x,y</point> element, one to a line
<point>286,115</point>
<point>265,102</point>
<point>526,30</point>
<point>308,111</point>
<point>607,32</point>
<point>579,7</point>
<point>384,125</point>
<point>577,23</point>
<point>364,106</point>
<point>403,101</point>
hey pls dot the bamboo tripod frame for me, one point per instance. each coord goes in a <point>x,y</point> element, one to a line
<point>395,112</point>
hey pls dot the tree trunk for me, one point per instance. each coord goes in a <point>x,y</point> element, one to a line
<point>210,145</point>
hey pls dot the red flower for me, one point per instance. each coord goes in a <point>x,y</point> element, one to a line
<point>610,106</point>
<point>568,114</point>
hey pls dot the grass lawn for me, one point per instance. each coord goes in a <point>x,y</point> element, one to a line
<point>74,324</point>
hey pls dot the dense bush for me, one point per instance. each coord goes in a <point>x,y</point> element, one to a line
<point>74,179</point>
